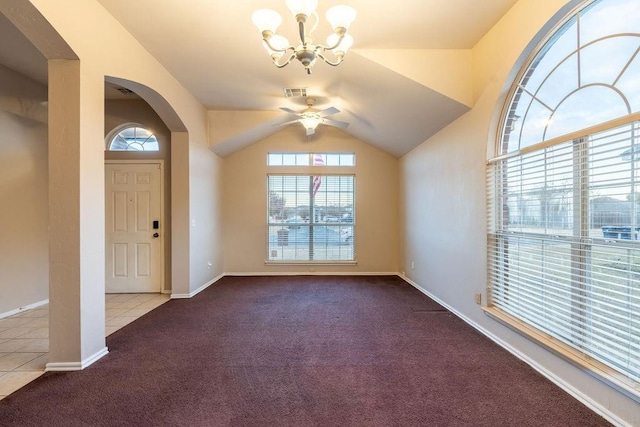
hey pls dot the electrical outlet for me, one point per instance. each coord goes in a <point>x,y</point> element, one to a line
<point>413,265</point>
<point>478,298</point>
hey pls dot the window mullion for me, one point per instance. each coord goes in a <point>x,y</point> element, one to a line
<point>580,249</point>
<point>312,216</point>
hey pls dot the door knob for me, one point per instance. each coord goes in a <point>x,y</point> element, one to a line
<point>156,235</point>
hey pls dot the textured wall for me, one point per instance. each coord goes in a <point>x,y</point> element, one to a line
<point>24,249</point>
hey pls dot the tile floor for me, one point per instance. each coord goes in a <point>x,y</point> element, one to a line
<point>24,337</point>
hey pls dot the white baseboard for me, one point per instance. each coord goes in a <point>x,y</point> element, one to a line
<point>197,291</point>
<point>271,273</point>
<point>577,394</point>
<point>75,366</point>
<point>24,308</point>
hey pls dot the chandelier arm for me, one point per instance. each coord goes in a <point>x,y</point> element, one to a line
<point>334,64</point>
<point>284,64</point>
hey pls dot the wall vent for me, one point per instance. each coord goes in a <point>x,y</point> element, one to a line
<point>293,92</point>
<point>124,90</point>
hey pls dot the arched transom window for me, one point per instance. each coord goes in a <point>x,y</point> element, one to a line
<point>587,73</point>
<point>564,194</point>
<point>133,138</point>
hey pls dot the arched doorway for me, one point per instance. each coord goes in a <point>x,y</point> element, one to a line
<point>76,191</point>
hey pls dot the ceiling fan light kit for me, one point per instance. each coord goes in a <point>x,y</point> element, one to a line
<point>307,52</point>
<point>311,118</point>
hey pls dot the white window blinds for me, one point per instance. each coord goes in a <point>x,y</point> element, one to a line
<point>564,246</point>
<point>311,218</point>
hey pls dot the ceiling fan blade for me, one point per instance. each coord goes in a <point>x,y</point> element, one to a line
<point>310,131</point>
<point>335,123</point>
<point>290,111</point>
<point>286,123</point>
<point>328,111</point>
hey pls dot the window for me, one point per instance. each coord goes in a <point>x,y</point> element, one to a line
<point>311,218</point>
<point>564,193</point>
<point>306,159</point>
<point>134,138</point>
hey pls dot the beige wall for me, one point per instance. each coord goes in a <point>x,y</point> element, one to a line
<point>121,112</point>
<point>443,205</point>
<point>244,202</point>
<point>24,249</point>
<point>207,226</point>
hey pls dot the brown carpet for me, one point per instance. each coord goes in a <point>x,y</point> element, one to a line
<point>299,351</point>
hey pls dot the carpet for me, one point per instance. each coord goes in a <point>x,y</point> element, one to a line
<point>299,351</point>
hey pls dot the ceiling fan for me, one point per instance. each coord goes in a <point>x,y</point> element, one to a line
<point>311,118</point>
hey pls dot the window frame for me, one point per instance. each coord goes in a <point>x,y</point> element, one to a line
<point>310,159</point>
<point>312,223</point>
<point>109,139</point>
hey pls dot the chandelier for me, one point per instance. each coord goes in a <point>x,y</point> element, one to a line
<point>307,52</point>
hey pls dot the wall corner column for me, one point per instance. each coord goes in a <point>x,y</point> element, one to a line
<point>76,216</point>
<point>180,216</point>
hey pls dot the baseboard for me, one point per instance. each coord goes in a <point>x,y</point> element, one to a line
<point>310,273</point>
<point>197,291</point>
<point>75,366</point>
<point>24,308</point>
<point>577,394</point>
<point>271,273</point>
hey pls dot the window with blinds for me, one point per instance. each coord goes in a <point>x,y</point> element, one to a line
<point>564,211</point>
<point>311,218</point>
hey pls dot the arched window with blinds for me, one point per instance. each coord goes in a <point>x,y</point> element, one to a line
<point>564,194</point>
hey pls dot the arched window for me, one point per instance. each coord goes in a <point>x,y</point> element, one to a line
<point>133,138</point>
<point>564,204</point>
<point>586,74</point>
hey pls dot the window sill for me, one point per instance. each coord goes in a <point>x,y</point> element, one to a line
<point>591,366</point>
<point>316,263</point>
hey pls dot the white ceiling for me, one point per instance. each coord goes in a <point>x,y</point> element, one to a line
<point>214,50</point>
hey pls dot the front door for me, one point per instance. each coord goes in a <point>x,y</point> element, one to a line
<point>134,260</point>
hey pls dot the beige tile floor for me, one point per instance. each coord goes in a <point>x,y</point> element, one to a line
<point>24,337</point>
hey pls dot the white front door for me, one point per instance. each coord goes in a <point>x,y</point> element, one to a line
<point>134,260</point>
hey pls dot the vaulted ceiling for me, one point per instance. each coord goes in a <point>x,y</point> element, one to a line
<point>408,74</point>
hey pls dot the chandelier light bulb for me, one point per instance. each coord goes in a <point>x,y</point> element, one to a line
<point>266,20</point>
<point>304,7</point>
<point>341,16</point>
<point>344,45</point>
<point>279,42</point>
